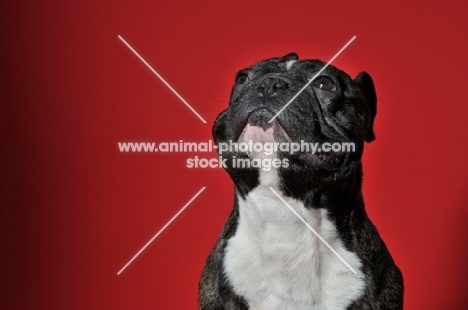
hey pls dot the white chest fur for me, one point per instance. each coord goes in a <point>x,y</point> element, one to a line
<point>276,263</point>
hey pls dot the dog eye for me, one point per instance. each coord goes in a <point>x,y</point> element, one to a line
<point>325,83</point>
<point>242,79</point>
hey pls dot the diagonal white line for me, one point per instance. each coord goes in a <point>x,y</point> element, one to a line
<point>162,79</point>
<point>311,80</point>
<point>161,230</point>
<point>308,226</point>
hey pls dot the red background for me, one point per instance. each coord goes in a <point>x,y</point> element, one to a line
<point>74,210</point>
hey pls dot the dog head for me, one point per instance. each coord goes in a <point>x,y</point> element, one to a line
<point>334,108</point>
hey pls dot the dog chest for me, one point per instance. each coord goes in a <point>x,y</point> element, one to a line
<point>276,262</point>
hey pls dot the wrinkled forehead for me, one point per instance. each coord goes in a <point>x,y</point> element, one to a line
<point>286,66</point>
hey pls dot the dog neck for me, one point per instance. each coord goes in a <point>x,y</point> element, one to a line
<point>271,234</point>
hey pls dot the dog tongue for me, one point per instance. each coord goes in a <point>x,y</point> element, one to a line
<point>256,134</point>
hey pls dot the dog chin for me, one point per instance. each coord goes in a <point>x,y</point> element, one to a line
<point>256,134</point>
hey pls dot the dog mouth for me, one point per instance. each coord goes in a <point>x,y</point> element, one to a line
<point>260,120</point>
<point>256,129</point>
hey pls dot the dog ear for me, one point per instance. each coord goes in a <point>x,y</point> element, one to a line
<point>366,85</point>
<point>288,60</point>
<point>290,56</point>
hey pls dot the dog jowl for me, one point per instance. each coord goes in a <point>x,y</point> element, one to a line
<point>266,258</point>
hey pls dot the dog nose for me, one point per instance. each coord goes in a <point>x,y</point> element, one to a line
<point>271,85</point>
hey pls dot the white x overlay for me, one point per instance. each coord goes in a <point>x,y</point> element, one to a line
<point>203,188</point>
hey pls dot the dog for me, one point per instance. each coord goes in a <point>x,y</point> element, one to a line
<point>298,236</point>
